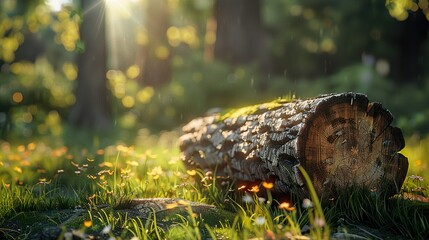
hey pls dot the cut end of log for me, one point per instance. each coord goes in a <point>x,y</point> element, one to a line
<point>341,140</point>
<point>351,143</point>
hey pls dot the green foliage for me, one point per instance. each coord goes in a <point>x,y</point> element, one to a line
<point>396,215</point>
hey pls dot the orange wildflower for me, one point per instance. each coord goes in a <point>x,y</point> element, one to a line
<point>268,185</point>
<point>87,223</point>
<point>286,206</point>
<point>254,189</point>
<point>100,151</point>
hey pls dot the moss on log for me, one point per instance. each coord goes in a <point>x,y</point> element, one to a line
<point>342,140</point>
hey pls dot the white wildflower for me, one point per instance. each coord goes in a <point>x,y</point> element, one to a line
<point>307,203</point>
<point>106,229</point>
<point>260,220</point>
<point>247,198</point>
<point>319,222</point>
<point>68,236</point>
<point>416,178</point>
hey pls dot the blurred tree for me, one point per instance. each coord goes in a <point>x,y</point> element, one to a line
<point>310,39</point>
<point>239,34</point>
<point>92,109</point>
<point>157,53</point>
<point>410,63</point>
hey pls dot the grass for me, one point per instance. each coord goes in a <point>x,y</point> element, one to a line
<point>36,178</point>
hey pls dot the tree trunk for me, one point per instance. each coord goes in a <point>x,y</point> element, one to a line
<point>157,53</point>
<point>412,38</point>
<point>239,32</point>
<point>92,108</point>
<point>341,140</point>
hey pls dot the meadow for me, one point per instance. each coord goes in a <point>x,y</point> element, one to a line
<point>43,178</point>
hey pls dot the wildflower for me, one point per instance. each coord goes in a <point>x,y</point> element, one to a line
<point>17,169</point>
<point>286,206</point>
<point>68,236</point>
<point>191,172</point>
<point>87,223</point>
<point>241,187</point>
<point>106,229</point>
<point>260,220</point>
<point>247,198</point>
<point>125,171</point>
<point>21,148</point>
<point>270,235</point>
<point>156,172</point>
<point>307,203</point>
<point>31,146</point>
<point>267,185</point>
<point>133,163</point>
<point>100,151</point>
<point>261,200</point>
<point>106,164</point>
<point>122,148</point>
<point>254,189</point>
<point>43,181</point>
<point>319,222</point>
<point>416,178</point>
<point>60,171</point>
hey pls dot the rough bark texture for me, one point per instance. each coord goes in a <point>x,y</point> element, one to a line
<point>341,140</point>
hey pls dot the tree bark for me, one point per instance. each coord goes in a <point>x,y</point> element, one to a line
<point>92,109</point>
<point>341,140</point>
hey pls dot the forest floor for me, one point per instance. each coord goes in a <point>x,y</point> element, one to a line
<point>51,189</point>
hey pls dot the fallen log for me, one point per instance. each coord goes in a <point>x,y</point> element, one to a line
<point>341,140</point>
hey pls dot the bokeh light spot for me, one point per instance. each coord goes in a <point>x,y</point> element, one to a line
<point>70,71</point>
<point>162,52</point>
<point>145,95</point>
<point>133,71</point>
<point>128,101</point>
<point>142,38</point>
<point>17,97</point>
